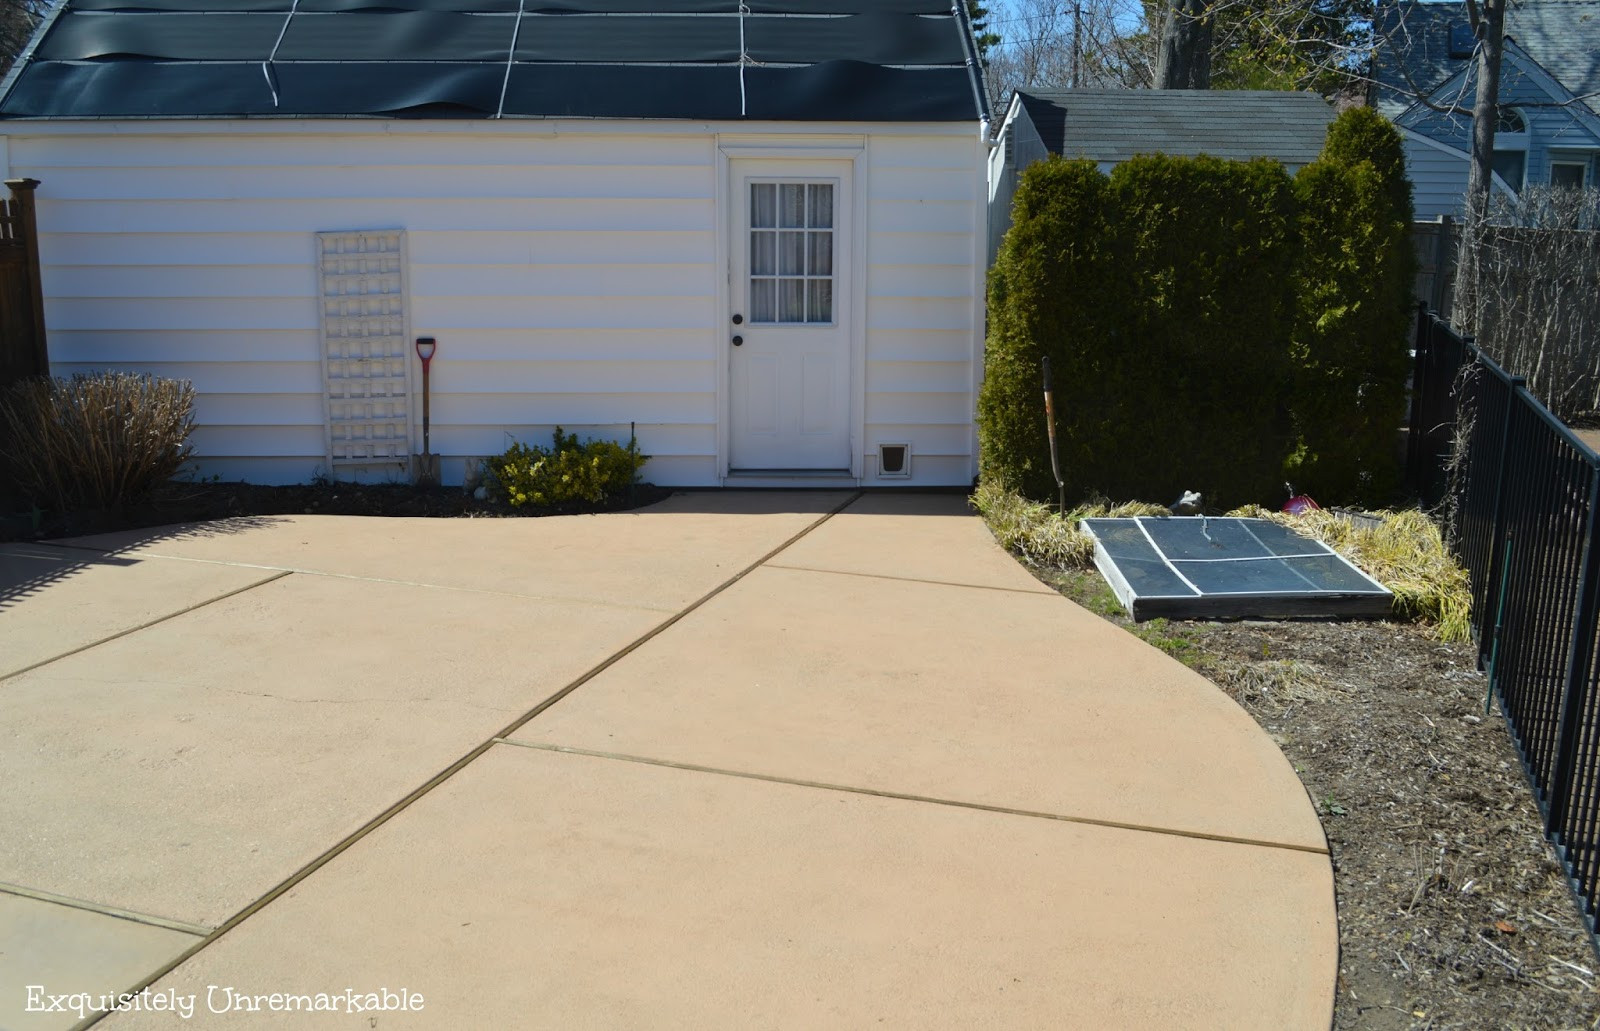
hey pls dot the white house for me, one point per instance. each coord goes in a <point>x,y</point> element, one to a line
<point>755,230</point>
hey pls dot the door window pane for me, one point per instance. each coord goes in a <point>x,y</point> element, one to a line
<point>819,300</point>
<point>791,252</point>
<point>819,259</point>
<point>763,300</point>
<point>792,206</point>
<point>791,300</point>
<point>820,204</point>
<point>763,254</point>
<point>763,205</point>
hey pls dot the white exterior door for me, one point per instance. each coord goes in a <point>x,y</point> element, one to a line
<point>789,330</point>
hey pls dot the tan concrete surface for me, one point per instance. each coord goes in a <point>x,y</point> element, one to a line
<point>664,556</point>
<point>537,890</point>
<point>53,601</point>
<point>184,770</point>
<point>927,536</point>
<point>64,951</point>
<point>1007,699</point>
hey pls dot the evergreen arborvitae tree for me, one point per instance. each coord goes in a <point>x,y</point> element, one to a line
<point>981,34</point>
<point>1355,281</point>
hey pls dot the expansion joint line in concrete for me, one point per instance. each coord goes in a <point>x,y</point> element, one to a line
<point>285,570</point>
<point>147,625</point>
<point>914,580</point>
<point>36,895</point>
<point>903,797</point>
<point>460,764</point>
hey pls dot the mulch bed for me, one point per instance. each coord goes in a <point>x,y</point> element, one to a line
<point>193,502</point>
<point>1453,912</point>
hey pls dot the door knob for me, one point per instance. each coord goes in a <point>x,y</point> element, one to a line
<point>738,320</point>
<point>738,341</point>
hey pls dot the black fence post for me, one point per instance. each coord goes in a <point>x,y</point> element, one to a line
<point>1580,656</point>
<point>1497,522</point>
<point>1421,387</point>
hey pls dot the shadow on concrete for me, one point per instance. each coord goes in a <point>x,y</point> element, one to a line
<point>28,568</point>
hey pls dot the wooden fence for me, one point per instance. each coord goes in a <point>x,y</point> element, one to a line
<point>1436,243</point>
<point>23,352</point>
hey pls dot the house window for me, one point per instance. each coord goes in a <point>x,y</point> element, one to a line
<point>1510,166</point>
<point>1509,119</point>
<point>1568,173</point>
<point>791,252</point>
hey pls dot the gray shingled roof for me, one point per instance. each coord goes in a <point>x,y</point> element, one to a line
<point>1114,125</point>
<point>1563,36</point>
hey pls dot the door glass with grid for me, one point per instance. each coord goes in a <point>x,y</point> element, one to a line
<point>791,252</point>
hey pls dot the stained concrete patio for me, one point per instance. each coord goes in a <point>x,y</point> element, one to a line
<point>808,769</point>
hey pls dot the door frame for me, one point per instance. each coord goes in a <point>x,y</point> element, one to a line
<point>853,323</point>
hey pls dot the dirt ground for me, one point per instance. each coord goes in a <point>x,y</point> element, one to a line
<point>1453,912</point>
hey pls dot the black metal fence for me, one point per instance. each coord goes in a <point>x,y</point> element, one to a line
<point>1522,506</point>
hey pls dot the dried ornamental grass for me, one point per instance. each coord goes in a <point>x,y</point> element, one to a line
<point>1405,552</point>
<point>1402,550</point>
<point>95,441</point>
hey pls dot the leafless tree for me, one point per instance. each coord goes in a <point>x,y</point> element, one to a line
<point>18,19</point>
<point>1536,302</point>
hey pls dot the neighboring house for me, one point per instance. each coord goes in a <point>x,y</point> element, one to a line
<point>1548,131</point>
<point>757,235</point>
<point>1111,126</point>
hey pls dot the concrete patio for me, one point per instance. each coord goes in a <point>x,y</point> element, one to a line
<point>777,760</point>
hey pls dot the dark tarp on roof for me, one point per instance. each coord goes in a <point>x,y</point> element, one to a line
<point>790,60</point>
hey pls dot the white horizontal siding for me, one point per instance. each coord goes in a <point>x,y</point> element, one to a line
<point>924,316</point>
<point>479,182</point>
<point>572,410</point>
<point>642,310</point>
<point>926,471</point>
<point>218,377</point>
<point>656,440</point>
<point>259,409</point>
<point>252,469</point>
<point>490,247</point>
<point>101,347</point>
<point>305,442</point>
<point>315,214</point>
<point>570,279</point>
<point>948,439</point>
<point>443,150</point>
<point>121,346</point>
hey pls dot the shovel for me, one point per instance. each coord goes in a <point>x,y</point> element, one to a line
<point>425,467</point>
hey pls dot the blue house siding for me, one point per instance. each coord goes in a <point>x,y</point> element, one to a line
<point>1554,122</point>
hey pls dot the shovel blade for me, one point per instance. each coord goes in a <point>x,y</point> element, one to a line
<point>425,470</point>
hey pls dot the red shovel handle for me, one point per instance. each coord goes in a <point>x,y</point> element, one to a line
<point>426,346</point>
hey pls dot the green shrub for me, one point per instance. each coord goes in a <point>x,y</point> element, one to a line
<point>1206,376</point>
<point>1354,282</point>
<point>569,471</point>
<point>1161,297</point>
<point>1053,290</point>
<point>95,441</point>
<point>1211,325</point>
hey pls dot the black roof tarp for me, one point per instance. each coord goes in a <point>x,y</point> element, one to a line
<point>786,60</point>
